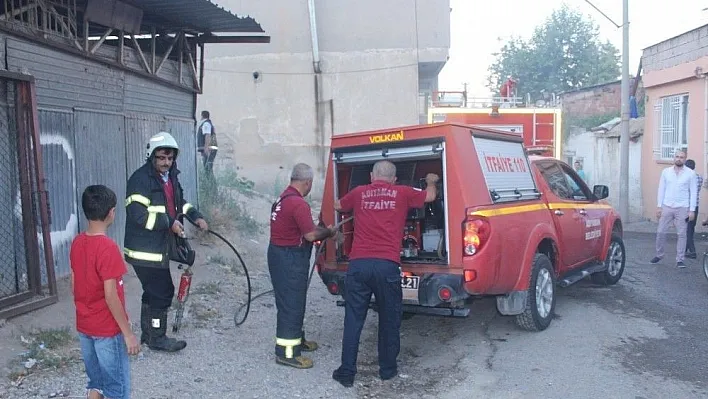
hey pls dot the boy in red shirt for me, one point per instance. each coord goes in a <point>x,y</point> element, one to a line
<point>97,270</point>
<point>380,211</point>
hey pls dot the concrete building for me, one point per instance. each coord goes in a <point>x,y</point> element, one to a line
<point>592,129</point>
<point>598,152</point>
<point>331,68</point>
<point>676,83</point>
<point>108,75</point>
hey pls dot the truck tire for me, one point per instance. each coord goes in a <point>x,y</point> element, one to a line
<point>541,299</point>
<point>614,263</point>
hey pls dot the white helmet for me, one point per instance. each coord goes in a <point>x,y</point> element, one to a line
<point>161,140</point>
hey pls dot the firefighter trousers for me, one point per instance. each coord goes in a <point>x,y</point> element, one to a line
<point>158,287</point>
<point>289,267</point>
<point>382,278</point>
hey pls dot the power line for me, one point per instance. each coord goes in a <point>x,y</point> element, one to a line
<point>603,14</point>
<point>312,73</point>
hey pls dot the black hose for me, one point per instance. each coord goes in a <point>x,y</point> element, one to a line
<point>245,269</point>
<point>243,266</point>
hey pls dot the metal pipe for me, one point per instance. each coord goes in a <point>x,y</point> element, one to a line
<point>44,217</point>
<point>313,36</point>
<point>624,128</point>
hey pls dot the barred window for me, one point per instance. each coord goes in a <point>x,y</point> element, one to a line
<point>671,132</point>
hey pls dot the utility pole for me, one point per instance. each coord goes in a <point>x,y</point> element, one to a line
<point>624,125</point>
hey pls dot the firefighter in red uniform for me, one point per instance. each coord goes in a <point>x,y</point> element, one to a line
<point>154,197</point>
<point>292,232</point>
<point>380,211</point>
<point>507,89</point>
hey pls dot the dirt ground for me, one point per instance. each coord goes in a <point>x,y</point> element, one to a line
<point>601,343</point>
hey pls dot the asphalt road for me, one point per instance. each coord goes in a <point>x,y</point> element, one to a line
<point>646,337</point>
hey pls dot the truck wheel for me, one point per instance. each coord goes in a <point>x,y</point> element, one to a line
<point>614,263</point>
<point>541,300</point>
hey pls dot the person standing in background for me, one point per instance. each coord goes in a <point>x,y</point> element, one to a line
<point>676,202</point>
<point>206,143</point>
<point>690,245</point>
<point>579,170</point>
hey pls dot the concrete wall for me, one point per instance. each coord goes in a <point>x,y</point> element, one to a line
<point>600,156</point>
<point>370,55</point>
<point>678,50</point>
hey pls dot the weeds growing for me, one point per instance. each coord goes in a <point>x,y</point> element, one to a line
<point>46,349</point>
<point>218,201</point>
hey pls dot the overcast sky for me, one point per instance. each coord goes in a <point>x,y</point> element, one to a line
<point>476,26</point>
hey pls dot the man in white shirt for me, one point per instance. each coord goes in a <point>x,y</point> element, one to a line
<point>676,202</point>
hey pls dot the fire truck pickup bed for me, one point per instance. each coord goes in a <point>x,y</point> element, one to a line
<point>504,224</point>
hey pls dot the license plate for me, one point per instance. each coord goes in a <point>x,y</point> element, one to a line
<point>409,282</point>
<point>409,285</point>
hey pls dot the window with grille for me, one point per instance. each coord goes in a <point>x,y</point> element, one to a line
<point>671,132</point>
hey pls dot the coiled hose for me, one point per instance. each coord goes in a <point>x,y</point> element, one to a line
<point>247,305</point>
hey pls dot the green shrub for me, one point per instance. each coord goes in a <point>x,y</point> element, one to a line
<point>218,201</point>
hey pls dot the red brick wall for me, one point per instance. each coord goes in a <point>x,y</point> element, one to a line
<point>601,100</point>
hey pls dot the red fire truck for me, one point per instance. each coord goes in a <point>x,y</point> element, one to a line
<point>538,123</point>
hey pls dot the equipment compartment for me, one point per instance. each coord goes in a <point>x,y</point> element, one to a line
<point>423,238</point>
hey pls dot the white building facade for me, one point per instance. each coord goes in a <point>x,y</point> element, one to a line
<point>331,68</point>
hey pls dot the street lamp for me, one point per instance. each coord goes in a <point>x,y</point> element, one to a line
<point>624,124</point>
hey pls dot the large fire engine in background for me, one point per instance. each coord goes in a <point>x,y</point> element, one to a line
<point>539,122</point>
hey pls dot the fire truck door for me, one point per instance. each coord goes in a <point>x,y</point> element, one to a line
<point>568,217</point>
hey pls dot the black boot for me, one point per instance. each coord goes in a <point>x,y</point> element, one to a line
<point>157,339</point>
<point>144,323</point>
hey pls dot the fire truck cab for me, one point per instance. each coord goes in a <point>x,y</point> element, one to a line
<point>504,224</point>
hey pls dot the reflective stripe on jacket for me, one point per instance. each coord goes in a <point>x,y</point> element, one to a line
<point>147,222</point>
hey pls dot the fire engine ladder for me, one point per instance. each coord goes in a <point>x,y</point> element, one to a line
<point>536,123</point>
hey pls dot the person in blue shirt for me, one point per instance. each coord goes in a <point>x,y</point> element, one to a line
<point>579,170</point>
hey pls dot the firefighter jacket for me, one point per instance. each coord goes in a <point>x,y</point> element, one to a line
<point>148,225</point>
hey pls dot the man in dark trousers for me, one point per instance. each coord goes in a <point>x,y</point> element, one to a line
<point>380,211</point>
<point>691,230</point>
<point>206,142</point>
<point>154,199</point>
<point>292,232</point>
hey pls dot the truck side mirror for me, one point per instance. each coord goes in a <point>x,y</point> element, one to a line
<point>601,191</point>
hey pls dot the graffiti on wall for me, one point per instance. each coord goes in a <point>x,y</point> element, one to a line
<point>58,154</point>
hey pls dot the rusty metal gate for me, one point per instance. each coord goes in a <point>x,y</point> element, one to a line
<point>27,280</point>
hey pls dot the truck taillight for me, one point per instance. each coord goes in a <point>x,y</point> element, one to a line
<point>475,235</point>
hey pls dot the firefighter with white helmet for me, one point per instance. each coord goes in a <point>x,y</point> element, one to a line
<point>153,231</point>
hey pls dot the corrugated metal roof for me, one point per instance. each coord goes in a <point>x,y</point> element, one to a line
<point>196,15</point>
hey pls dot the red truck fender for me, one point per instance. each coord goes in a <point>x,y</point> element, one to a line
<point>614,224</point>
<point>542,231</point>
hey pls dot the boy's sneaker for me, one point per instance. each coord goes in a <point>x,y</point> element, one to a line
<point>655,260</point>
<point>680,265</point>
<point>691,255</point>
